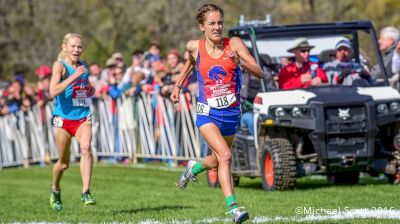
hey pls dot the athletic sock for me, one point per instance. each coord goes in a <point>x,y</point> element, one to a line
<point>197,168</point>
<point>231,202</point>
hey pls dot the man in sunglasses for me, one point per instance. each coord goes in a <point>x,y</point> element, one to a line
<point>301,73</point>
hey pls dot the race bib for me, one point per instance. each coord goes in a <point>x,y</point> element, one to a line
<point>83,102</point>
<point>80,97</point>
<point>203,109</point>
<point>57,122</point>
<point>222,101</point>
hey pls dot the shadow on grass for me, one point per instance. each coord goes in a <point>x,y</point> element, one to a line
<point>313,182</point>
<point>151,209</point>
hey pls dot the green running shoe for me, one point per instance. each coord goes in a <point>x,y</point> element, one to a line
<point>55,201</point>
<point>87,198</point>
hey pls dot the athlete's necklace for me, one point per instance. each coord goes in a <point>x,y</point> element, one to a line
<point>217,45</point>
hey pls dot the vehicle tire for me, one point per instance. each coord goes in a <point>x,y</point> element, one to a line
<point>278,165</point>
<point>344,178</point>
<point>236,180</point>
<point>212,178</point>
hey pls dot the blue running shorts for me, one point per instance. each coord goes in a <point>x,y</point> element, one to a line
<point>227,119</point>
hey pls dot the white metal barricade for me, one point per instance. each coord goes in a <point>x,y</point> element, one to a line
<point>149,127</point>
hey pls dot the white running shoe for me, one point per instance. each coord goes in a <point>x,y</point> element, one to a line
<point>187,175</point>
<point>239,215</point>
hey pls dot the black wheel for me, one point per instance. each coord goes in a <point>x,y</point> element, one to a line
<point>236,180</point>
<point>212,178</point>
<point>278,165</point>
<point>344,178</point>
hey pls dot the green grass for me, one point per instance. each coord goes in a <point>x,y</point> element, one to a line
<point>136,194</point>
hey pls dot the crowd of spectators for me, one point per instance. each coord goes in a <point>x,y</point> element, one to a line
<point>147,71</point>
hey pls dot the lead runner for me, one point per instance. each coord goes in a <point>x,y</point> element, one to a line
<point>217,61</point>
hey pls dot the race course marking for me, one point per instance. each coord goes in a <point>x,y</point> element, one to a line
<point>361,213</point>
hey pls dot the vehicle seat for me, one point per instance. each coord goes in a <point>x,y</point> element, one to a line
<point>327,56</point>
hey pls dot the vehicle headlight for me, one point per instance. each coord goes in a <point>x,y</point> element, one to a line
<point>382,108</point>
<point>279,112</point>
<point>394,106</point>
<point>296,112</point>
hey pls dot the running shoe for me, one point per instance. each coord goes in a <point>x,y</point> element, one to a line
<point>239,215</point>
<point>187,175</point>
<point>55,201</point>
<point>87,198</point>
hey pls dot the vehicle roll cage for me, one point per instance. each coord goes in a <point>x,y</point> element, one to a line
<point>253,31</point>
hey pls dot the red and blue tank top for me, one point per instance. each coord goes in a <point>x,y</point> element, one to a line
<point>219,79</point>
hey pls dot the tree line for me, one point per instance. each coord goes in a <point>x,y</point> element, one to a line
<point>31,31</point>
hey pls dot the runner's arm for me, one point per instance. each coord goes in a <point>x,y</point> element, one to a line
<point>246,60</point>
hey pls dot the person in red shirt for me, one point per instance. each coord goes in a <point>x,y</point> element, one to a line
<point>301,73</point>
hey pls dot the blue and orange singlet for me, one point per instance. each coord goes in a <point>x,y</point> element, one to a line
<point>219,82</point>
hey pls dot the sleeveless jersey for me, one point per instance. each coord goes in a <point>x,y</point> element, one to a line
<point>74,103</point>
<point>219,79</point>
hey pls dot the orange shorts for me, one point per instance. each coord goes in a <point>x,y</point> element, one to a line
<point>71,126</point>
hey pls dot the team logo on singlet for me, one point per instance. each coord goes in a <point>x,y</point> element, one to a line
<point>217,73</point>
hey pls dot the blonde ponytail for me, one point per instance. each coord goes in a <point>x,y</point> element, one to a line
<point>61,55</point>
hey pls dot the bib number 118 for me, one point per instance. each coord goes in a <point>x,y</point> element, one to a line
<point>222,101</point>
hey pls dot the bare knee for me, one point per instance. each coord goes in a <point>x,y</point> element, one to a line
<point>225,157</point>
<point>64,165</point>
<point>85,150</point>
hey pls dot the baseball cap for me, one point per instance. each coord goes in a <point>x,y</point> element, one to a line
<point>117,55</point>
<point>111,62</point>
<point>43,71</point>
<point>343,42</point>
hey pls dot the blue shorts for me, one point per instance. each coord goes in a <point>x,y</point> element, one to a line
<point>227,120</point>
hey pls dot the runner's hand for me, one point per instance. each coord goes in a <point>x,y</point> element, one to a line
<point>80,70</point>
<point>233,56</point>
<point>175,94</point>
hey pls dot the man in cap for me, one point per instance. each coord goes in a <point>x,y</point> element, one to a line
<point>111,64</point>
<point>343,70</point>
<point>119,59</point>
<point>301,73</point>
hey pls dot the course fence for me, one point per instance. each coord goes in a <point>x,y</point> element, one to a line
<point>135,128</point>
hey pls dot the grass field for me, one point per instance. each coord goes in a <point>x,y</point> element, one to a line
<point>147,194</point>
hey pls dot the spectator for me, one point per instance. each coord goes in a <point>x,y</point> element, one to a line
<point>136,82</point>
<point>173,68</point>
<point>137,66</point>
<point>12,98</point>
<point>119,59</point>
<point>152,55</point>
<point>301,73</point>
<point>388,38</point>
<point>174,62</point>
<point>343,69</point>
<point>115,89</point>
<point>95,79</point>
<point>106,73</point>
<point>394,81</point>
<point>43,95</point>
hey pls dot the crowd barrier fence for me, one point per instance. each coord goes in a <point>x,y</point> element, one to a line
<point>136,128</point>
